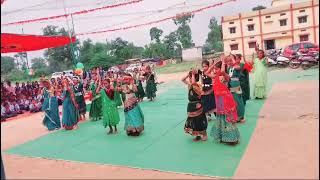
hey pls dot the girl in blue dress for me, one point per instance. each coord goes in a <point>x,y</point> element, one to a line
<point>70,114</point>
<point>50,107</point>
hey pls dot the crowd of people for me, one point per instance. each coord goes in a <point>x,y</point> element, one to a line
<point>221,88</point>
<point>20,98</point>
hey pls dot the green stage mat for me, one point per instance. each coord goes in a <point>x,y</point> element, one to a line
<point>164,145</point>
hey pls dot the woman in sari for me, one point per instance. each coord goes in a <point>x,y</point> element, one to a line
<point>245,68</point>
<point>234,85</point>
<point>70,113</point>
<point>79,94</point>
<point>196,123</point>
<point>224,129</point>
<point>134,118</point>
<point>50,107</point>
<point>96,107</point>
<point>138,81</point>
<point>109,108</point>
<point>260,74</point>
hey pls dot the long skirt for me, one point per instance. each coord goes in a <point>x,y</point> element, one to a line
<point>245,87</point>
<point>96,108</point>
<point>140,94</point>
<point>51,119</point>
<point>110,115</point>
<point>240,105</point>
<point>134,121</point>
<point>70,114</point>
<point>151,90</point>
<point>208,102</point>
<point>260,92</point>
<point>224,131</point>
<point>82,104</point>
<point>196,126</point>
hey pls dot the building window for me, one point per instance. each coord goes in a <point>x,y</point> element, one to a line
<point>252,45</point>
<point>282,14</point>
<point>267,17</point>
<point>251,27</point>
<point>303,10</point>
<point>250,19</point>
<point>304,38</point>
<point>231,22</point>
<point>232,30</point>
<point>302,19</point>
<point>283,22</point>
<point>284,33</point>
<point>234,47</point>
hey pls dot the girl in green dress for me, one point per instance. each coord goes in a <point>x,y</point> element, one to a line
<point>109,108</point>
<point>151,87</point>
<point>95,109</point>
<point>260,74</point>
<point>235,88</point>
<point>244,78</point>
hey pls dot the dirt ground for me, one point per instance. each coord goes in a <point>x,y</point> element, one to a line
<point>284,144</point>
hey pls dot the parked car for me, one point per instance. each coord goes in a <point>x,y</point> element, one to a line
<point>56,75</point>
<point>302,47</point>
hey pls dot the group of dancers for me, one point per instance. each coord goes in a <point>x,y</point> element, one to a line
<point>222,88</point>
<point>109,92</point>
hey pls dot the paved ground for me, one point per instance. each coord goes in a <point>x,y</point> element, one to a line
<point>284,144</point>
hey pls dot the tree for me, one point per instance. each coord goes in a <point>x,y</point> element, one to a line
<point>184,30</point>
<point>259,7</point>
<point>214,40</point>
<point>172,45</point>
<point>155,34</point>
<point>59,58</point>
<point>156,50</point>
<point>39,66</point>
<point>7,64</point>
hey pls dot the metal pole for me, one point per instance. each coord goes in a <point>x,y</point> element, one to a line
<point>26,53</point>
<point>71,44</point>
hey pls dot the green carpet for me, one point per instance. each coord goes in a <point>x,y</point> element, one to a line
<point>164,145</point>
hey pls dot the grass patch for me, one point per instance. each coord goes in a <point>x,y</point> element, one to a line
<point>174,68</point>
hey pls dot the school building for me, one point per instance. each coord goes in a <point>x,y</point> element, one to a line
<point>276,27</point>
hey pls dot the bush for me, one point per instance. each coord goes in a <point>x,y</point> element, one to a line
<point>16,75</point>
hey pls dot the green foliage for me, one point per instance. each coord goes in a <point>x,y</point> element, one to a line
<point>156,50</point>
<point>259,7</point>
<point>155,34</point>
<point>39,66</point>
<point>16,75</point>
<point>214,40</point>
<point>59,58</point>
<point>184,31</point>
<point>172,45</point>
<point>7,64</point>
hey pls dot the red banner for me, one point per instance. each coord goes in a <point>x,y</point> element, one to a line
<point>158,21</point>
<point>22,43</point>
<point>74,13</point>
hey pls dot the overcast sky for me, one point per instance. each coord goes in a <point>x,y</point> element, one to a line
<point>17,10</point>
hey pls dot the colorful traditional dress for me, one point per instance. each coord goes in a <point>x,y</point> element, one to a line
<point>207,97</point>
<point>140,94</point>
<point>117,95</point>
<point>236,91</point>
<point>196,123</point>
<point>96,106</point>
<point>70,114</point>
<point>134,118</point>
<point>109,108</point>
<point>50,107</point>
<point>260,75</point>
<point>151,87</point>
<point>224,128</point>
<point>79,94</point>
<point>244,82</point>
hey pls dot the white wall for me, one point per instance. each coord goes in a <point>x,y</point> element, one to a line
<point>192,54</point>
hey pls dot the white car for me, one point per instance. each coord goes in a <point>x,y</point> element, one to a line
<point>56,75</point>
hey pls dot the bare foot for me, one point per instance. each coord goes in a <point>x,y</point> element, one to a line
<point>204,138</point>
<point>242,121</point>
<point>110,132</point>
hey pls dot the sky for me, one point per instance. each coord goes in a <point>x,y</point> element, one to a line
<point>17,10</point>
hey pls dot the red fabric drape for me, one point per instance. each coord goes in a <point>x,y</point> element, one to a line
<point>22,43</point>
